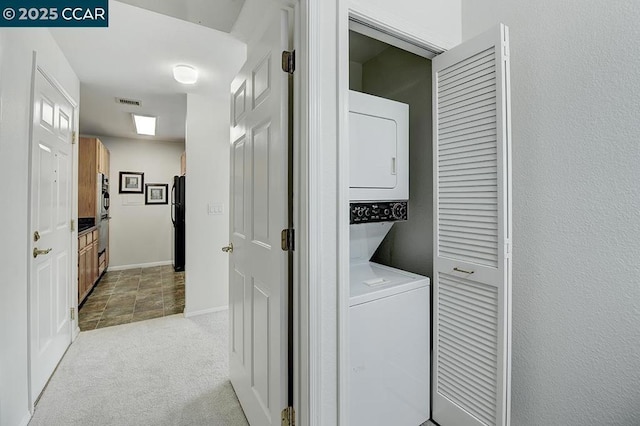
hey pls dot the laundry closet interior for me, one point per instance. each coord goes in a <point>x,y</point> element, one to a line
<point>391,229</point>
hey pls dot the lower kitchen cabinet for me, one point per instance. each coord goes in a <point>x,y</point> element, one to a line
<point>87,262</point>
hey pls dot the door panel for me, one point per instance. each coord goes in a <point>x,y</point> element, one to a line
<point>50,286</point>
<point>472,276</point>
<point>62,291</point>
<point>238,187</point>
<point>260,157</point>
<point>259,201</point>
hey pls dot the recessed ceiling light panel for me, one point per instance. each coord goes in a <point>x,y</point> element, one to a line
<point>185,74</point>
<point>145,125</point>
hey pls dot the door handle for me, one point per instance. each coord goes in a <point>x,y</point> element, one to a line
<point>37,252</point>
<point>228,249</point>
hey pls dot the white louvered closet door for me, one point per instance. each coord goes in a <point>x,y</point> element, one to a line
<point>472,273</point>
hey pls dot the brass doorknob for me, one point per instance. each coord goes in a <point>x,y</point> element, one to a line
<point>228,249</point>
<point>37,252</point>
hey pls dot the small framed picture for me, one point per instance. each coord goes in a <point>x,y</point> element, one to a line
<point>131,182</point>
<point>156,193</point>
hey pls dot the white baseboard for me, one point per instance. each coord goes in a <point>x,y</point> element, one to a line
<point>25,420</point>
<point>140,265</point>
<point>205,311</point>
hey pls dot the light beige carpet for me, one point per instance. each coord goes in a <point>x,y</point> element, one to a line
<point>166,371</point>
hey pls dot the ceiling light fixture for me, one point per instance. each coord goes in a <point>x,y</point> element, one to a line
<point>185,74</point>
<point>145,125</point>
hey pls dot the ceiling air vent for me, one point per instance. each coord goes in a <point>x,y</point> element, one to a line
<point>130,102</point>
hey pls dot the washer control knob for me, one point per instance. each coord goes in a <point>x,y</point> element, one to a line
<point>399,211</point>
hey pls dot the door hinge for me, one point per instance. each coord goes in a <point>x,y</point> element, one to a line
<point>288,417</point>
<point>73,225</point>
<point>289,61</point>
<point>74,137</point>
<point>73,314</point>
<point>287,239</point>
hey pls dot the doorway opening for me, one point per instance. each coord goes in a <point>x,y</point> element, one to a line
<point>140,273</point>
<point>464,358</point>
<point>391,230</point>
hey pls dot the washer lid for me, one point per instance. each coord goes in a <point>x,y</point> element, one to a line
<point>370,281</point>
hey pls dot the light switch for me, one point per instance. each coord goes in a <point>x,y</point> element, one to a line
<point>215,209</point>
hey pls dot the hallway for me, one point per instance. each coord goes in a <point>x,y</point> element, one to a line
<point>121,297</point>
<point>165,371</point>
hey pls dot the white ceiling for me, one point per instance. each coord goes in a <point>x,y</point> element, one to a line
<point>216,14</point>
<point>134,57</point>
<point>101,115</point>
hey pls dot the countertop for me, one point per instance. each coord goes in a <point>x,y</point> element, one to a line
<point>82,231</point>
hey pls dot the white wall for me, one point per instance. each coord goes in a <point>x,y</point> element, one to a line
<point>141,234</point>
<point>206,266</point>
<point>16,47</point>
<point>576,207</point>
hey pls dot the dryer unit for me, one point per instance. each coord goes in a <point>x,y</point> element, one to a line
<point>378,148</point>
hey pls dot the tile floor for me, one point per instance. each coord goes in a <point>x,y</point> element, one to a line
<point>122,297</point>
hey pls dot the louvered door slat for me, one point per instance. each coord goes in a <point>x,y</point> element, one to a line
<point>481,67</point>
<point>453,145</point>
<point>480,345</point>
<point>473,102</point>
<point>471,205</point>
<point>458,235</point>
<point>485,136</point>
<point>480,93</point>
<point>471,175</point>
<point>445,136</point>
<point>470,115</point>
<point>484,105</point>
<point>462,232</point>
<point>478,80</point>
<point>471,63</point>
<point>484,368</point>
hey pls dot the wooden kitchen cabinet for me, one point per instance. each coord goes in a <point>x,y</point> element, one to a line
<point>87,262</point>
<point>93,158</point>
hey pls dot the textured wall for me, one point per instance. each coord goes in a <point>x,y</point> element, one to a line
<point>16,59</point>
<point>404,77</point>
<point>575,83</point>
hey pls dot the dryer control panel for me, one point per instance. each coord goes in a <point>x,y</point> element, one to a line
<point>385,211</point>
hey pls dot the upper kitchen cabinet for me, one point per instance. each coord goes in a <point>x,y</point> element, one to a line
<point>93,160</point>
<point>183,164</point>
<point>102,158</point>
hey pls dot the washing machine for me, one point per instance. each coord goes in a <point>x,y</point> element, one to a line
<point>389,309</point>
<point>389,326</point>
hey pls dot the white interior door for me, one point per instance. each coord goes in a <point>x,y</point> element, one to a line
<point>50,283</point>
<point>472,265</point>
<point>258,211</point>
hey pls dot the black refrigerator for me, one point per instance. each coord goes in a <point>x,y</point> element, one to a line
<point>177,217</point>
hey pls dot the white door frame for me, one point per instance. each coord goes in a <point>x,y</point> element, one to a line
<point>347,10</point>
<point>73,259</point>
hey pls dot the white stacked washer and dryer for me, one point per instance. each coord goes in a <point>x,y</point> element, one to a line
<point>389,314</point>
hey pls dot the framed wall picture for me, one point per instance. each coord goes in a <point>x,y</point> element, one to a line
<point>131,183</point>
<point>156,193</point>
